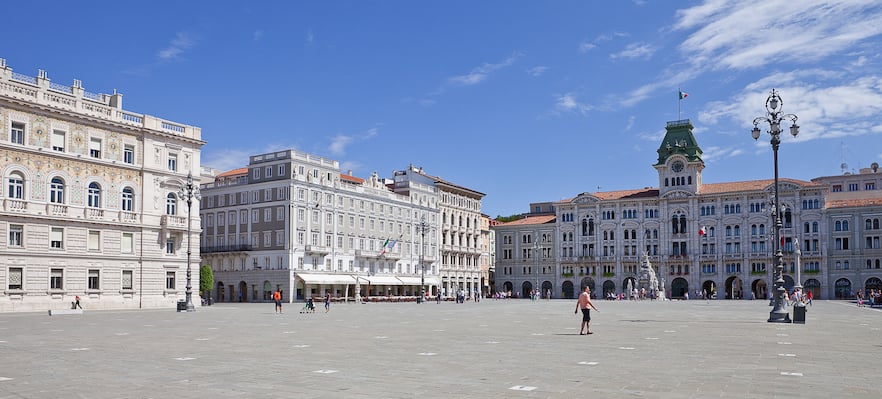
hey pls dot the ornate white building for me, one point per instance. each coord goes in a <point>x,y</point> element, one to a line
<point>292,221</point>
<point>713,237</point>
<point>90,203</point>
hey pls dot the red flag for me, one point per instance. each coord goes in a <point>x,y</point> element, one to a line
<point>702,231</point>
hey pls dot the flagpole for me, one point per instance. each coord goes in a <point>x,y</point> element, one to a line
<point>679,100</point>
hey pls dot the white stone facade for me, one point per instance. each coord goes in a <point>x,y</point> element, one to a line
<point>85,199</point>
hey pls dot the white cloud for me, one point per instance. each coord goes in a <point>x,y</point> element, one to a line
<point>634,50</point>
<point>828,104</point>
<point>478,74</point>
<point>225,159</point>
<point>537,70</point>
<point>181,42</point>
<point>341,141</point>
<point>257,35</point>
<point>569,103</point>
<point>630,122</point>
<point>310,38</point>
<point>754,33</point>
<point>586,46</point>
<point>713,153</point>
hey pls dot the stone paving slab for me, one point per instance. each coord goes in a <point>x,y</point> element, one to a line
<point>491,349</point>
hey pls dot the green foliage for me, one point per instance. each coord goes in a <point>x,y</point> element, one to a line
<point>506,219</point>
<point>206,278</point>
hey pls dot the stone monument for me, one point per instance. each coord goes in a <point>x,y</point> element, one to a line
<point>648,279</point>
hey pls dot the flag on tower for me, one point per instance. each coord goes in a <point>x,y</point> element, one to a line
<point>683,94</point>
<point>702,231</point>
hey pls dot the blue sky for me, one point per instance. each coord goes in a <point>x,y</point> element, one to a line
<point>523,101</point>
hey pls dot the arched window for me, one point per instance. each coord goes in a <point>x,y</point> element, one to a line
<point>675,226</point>
<point>584,227</point>
<point>737,231</point>
<point>56,190</point>
<point>838,226</point>
<point>605,236</point>
<point>868,224</point>
<point>94,195</point>
<point>683,224</point>
<point>762,229</point>
<point>876,224</point>
<point>591,227</point>
<point>688,179</point>
<point>814,227</point>
<point>128,199</point>
<point>15,186</point>
<point>171,204</point>
<point>845,225</point>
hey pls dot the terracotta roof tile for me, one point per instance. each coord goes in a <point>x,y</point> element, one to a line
<point>351,179</point>
<point>535,219</point>
<point>234,172</point>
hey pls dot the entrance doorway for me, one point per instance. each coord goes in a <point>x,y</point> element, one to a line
<point>567,290</point>
<point>679,287</point>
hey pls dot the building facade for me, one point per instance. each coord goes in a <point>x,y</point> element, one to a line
<point>716,238</point>
<point>90,199</point>
<point>292,221</point>
<point>460,230</point>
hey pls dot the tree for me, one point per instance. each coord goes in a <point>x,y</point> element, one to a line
<point>206,279</point>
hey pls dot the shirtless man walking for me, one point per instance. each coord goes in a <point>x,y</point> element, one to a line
<point>585,304</point>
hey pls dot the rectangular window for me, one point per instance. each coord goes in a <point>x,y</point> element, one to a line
<point>281,170</point>
<point>94,280</point>
<point>129,154</point>
<point>255,173</point>
<point>837,188</point>
<point>169,280</point>
<point>127,243</point>
<point>16,278</point>
<point>267,214</point>
<point>170,246</point>
<point>57,141</point>
<point>94,240</point>
<point>268,171</point>
<point>16,232</point>
<point>127,279</point>
<point>280,238</point>
<point>870,186</point>
<point>280,213</point>
<point>16,135</point>
<point>852,187</point>
<point>56,279</point>
<point>173,162</point>
<point>56,238</point>
<point>95,148</point>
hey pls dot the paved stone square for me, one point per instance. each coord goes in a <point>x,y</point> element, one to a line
<point>491,349</point>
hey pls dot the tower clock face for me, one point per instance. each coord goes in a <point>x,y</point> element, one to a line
<point>677,166</point>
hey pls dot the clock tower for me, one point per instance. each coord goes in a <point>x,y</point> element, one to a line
<point>679,163</point>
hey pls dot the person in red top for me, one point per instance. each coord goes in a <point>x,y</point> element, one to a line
<point>809,296</point>
<point>584,303</point>
<point>277,297</point>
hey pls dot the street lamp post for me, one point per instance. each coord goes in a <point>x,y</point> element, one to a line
<point>536,289</point>
<point>422,227</point>
<point>189,191</point>
<point>774,116</point>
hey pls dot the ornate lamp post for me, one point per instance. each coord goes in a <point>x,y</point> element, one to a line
<point>774,116</point>
<point>423,227</point>
<point>189,191</point>
<point>536,255</point>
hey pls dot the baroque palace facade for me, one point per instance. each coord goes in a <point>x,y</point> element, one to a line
<point>700,237</point>
<point>292,221</point>
<point>89,199</point>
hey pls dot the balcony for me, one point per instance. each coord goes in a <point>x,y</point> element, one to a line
<point>173,222</point>
<point>128,217</point>
<point>317,249</point>
<point>15,205</point>
<point>225,248</point>
<point>56,210</point>
<point>362,253</point>
<point>94,213</point>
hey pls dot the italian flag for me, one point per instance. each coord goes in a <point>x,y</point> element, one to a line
<point>702,231</point>
<point>683,95</point>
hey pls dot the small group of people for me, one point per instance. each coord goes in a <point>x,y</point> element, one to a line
<point>874,297</point>
<point>799,298</point>
<point>277,298</point>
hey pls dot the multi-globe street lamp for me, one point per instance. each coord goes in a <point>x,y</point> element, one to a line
<point>189,191</point>
<point>422,227</point>
<point>774,117</point>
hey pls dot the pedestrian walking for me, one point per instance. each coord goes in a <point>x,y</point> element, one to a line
<point>277,297</point>
<point>327,301</point>
<point>77,302</point>
<point>809,296</point>
<point>584,303</point>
